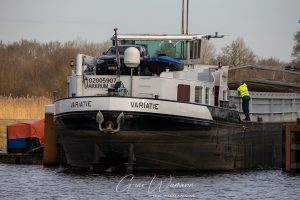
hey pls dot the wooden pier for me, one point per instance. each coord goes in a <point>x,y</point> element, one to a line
<point>21,158</point>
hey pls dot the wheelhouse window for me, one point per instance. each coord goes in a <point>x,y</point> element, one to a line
<point>175,49</point>
<point>112,51</point>
<point>198,94</point>
<point>207,90</point>
<point>195,49</point>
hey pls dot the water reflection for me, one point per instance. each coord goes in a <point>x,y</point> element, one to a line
<point>36,182</point>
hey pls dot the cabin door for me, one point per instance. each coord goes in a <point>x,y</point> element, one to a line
<point>183,93</point>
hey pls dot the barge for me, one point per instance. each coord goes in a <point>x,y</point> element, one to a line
<point>163,118</point>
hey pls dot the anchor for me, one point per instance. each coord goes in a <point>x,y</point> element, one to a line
<point>109,124</point>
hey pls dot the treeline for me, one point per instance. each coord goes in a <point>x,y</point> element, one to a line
<point>37,69</point>
<point>236,54</point>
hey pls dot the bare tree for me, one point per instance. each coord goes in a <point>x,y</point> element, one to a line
<point>208,52</point>
<point>296,50</point>
<point>237,53</point>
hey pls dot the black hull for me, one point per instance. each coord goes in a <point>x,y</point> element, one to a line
<point>203,147</point>
<point>172,144</point>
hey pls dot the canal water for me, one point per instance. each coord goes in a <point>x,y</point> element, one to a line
<point>37,182</point>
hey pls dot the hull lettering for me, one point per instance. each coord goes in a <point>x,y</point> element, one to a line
<point>79,104</point>
<point>143,105</point>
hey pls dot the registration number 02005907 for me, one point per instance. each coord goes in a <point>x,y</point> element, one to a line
<point>93,82</point>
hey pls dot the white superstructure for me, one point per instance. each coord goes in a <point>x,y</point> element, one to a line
<point>194,84</point>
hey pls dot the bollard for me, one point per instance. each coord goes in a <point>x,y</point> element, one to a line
<point>51,150</point>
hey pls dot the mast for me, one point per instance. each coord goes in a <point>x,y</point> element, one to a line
<point>182,18</point>
<point>187,17</point>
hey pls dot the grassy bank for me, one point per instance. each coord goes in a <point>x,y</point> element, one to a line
<point>19,109</point>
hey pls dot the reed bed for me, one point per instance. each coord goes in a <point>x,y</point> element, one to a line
<point>23,107</point>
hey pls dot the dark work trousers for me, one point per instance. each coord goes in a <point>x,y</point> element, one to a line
<point>245,105</point>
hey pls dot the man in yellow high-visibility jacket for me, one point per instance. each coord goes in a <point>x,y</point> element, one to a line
<point>243,90</point>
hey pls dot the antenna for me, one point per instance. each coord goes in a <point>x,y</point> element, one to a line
<point>213,36</point>
<point>117,51</point>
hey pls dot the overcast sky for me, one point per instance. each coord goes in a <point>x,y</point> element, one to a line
<point>267,26</point>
